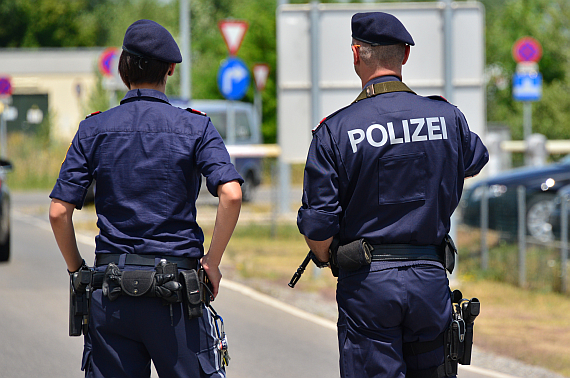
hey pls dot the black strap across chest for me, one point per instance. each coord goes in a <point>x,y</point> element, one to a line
<point>384,87</point>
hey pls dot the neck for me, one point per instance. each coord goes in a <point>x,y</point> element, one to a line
<point>156,87</point>
<point>378,73</point>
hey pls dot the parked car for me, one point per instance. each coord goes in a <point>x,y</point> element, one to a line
<point>5,166</point>
<point>246,130</point>
<point>555,216</point>
<point>541,184</point>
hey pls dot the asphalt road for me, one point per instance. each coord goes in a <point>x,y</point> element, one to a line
<point>266,338</point>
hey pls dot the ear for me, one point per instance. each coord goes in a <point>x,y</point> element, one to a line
<point>171,69</point>
<point>406,54</point>
<point>355,55</point>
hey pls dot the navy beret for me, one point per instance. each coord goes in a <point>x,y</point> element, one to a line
<point>379,28</point>
<point>149,39</point>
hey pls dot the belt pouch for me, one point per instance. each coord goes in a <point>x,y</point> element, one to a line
<point>112,282</point>
<point>137,283</point>
<point>449,253</point>
<point>191,289</point>
<point>353,255</point>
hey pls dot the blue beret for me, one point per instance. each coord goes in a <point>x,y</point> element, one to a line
<point>379,28</point>
<point>149,39</point>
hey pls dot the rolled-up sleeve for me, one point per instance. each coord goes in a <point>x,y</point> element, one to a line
<point>74,176</point>
<point>213,160</point>
<point>319,216</point>
<point>475,154</point>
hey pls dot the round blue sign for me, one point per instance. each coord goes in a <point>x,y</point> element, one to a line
<point>233,78</point>
<point>5,86</point>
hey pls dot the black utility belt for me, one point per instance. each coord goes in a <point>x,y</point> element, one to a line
<point>398,252</point>
<point>358,253</point>
<point>185,263</point>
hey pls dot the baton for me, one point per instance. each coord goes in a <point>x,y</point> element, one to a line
<point>300,270</point>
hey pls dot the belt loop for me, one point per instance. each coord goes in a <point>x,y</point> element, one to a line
<point>122,260</point>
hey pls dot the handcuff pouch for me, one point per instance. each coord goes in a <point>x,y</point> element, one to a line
<point>137,283</point>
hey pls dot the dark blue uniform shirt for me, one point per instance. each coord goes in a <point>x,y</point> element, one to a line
<point>146,157</point>
<point>390,169</point>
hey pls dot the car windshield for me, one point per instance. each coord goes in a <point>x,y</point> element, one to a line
<point>565,160</point>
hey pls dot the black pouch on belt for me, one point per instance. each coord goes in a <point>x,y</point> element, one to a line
<point>137,283</point>
<point>191,290</point>
<point>449,253</point>
<point>354,255</point>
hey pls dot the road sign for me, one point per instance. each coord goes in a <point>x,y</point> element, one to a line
<point>260,74</point>
<point>233,32</point>
<point>108,61</point>
<point>527,86</point>
<point>233,78</point>
<point>527,49</point>
<point>5,86</point>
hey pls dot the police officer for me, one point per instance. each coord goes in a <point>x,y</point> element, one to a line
<point>147,157</point>
<point>389,169</point>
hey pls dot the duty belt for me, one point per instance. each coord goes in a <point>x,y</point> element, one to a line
<point>185,263</point>
<point>399,252</point>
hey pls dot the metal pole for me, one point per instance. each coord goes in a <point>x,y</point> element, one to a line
<point>315,63</point>
<point>448,43</point>
<point>484,228</point>
<point>231,124</point>
<point>527,119</point>
<point>521,199</point>
<point>3,152</point>
<point>185,66</point>
<point>564,244</point>
<point>285,186</point>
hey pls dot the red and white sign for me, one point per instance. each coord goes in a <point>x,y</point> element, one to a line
<point>233,32</point>
<point>527,49</point>
<point>5,86</point>
<point>260,74</point>
<point>108,61</point>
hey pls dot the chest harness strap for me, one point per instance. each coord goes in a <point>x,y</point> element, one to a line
<point>384,87</point>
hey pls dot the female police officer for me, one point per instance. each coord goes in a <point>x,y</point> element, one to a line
<point>147,157</point>
<point>388,169</point>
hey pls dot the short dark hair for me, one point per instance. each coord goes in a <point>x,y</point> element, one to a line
<point>141,70</point>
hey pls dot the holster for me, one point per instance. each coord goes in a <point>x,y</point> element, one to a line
<point>79,301</point>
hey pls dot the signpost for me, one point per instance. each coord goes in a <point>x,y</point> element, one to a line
<point>108,66</point>
<point>233,32</point>
<point>527,81</point>
<point>260,74</point>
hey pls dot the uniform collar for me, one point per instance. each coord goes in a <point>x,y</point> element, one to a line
<point>382,79</point>
<point>146,93</point>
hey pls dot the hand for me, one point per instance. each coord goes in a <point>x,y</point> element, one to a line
<point>213,272</point>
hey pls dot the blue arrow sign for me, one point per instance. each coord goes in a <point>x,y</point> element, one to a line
<point>527,86</point>
<point>233,78</point>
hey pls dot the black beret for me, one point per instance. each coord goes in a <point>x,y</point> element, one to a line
<point>149,39</point>
<point>379,28</point>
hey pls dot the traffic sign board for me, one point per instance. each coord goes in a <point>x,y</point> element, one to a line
<point>260,74</point>
<point>233,78</point>
<point>527,49</point>
<point>5,86</point>
<point>233,32</point>
<point>527,86</point>
<point>107,61</point>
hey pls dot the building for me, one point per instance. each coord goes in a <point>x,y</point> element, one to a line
<point>54,81</point>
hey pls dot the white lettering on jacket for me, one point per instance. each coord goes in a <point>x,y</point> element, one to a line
<point>377,135</point>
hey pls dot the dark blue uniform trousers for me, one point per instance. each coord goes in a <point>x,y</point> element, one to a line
<point>381,307</point>
<point>124,335</point>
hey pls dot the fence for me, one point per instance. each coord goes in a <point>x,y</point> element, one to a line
<point>529,243</point>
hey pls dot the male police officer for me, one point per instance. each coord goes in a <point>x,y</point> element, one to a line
<point>147,157</point>
<point>388,169</point>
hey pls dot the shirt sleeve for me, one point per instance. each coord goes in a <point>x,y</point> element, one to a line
<point>213,160</point>
<point>475,154</point>
<point>319,216</point>
<point>74,176</point>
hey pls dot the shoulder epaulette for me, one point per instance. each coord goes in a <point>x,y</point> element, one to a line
<point>92,114</point>
<point>327,118</point>
<point>437,97</point>
<point>196,111</point>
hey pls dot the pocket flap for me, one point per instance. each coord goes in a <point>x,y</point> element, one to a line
<point>137,282</point>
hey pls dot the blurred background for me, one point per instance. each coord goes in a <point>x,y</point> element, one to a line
<point>57,64</point>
